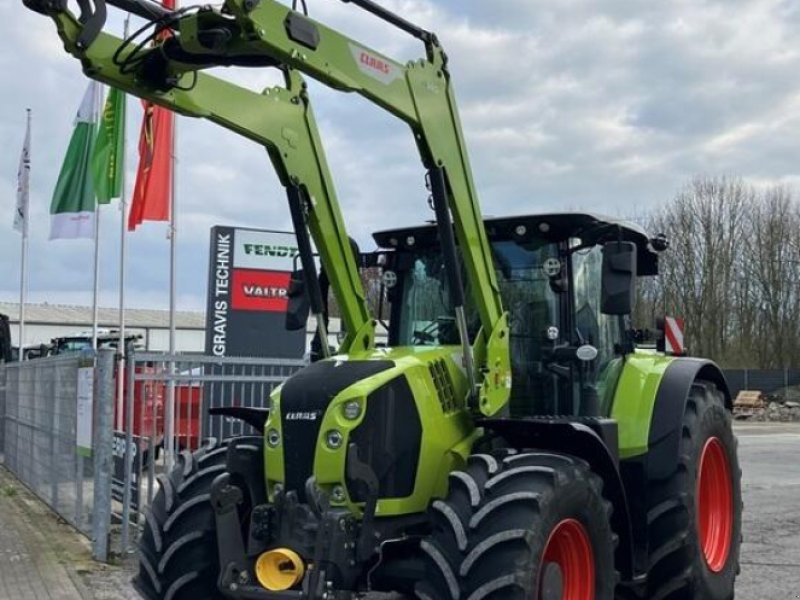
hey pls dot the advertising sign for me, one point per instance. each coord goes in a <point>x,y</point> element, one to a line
<point>248,281</point>
<point>118,478</point>
<point>85,410</point>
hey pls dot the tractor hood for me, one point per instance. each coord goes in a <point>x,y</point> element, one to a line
<point>375,402</point>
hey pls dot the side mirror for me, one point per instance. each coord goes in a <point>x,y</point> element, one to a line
<point>619,278</point>
<point>299,304</point>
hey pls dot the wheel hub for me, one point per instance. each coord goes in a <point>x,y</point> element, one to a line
<point>567,569</point>
<point>714,504</point>
<point>552,582</point>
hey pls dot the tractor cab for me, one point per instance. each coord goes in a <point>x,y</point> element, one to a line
<point>567,281</point>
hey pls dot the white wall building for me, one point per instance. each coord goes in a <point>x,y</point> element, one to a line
<point>43,322</point>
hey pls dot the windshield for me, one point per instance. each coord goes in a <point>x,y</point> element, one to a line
<point>75,345</point>
<point>426,315</point>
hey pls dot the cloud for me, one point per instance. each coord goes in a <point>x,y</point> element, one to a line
<point>610,106</point>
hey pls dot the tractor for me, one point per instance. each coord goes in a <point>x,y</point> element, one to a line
<point>510,442</point>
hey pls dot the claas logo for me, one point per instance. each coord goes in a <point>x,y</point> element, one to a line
<point>268,250</point>
<point>373,62</point>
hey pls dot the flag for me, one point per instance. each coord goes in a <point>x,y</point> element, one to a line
<point>109,149</point>
<point>153,188</point>
<point>152,191</point>
<point>23,182</point>
<point>72,211</point>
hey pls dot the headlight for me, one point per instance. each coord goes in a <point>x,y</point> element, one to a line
<point>273,438</point>
<point>334,439</point>
<point>352,410</point>
<point>338,495</point>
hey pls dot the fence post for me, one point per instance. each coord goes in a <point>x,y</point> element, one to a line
<point>746,384</point>
<point>3,377</point>
<point>103,454</point>
<point>127,427</point>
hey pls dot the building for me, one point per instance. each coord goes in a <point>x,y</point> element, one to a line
<point>43,322</point>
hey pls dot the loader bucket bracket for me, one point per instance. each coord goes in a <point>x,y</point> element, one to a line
<point>45,7</point>
<point>92,20</point>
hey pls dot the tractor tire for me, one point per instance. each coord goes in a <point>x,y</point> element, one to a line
<point>695,516</point>
<point>508,519</point>
<point>178,557</point>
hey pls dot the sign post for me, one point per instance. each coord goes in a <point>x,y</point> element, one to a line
<point>248,283</point>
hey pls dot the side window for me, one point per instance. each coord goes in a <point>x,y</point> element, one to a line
<point>602,331</point>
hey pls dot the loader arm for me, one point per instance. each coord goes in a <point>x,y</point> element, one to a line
<point>280,119</point>
<point>267,32</point>
<point>421,94</point>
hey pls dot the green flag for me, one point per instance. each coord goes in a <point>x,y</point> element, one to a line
<point>72,211</point>
<point>109,149</point>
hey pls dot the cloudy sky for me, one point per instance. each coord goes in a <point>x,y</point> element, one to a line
<point>610,106</point>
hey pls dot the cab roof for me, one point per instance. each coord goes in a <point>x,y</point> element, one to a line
<point>591,228</point>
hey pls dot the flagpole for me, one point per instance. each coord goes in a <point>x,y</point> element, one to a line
<point>123,239</point>
<point>95,108</point>
<point>23,276</point>
<point>169,418</point>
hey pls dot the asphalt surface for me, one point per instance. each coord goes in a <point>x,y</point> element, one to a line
<point>769,455</point>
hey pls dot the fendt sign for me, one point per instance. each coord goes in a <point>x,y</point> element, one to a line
<point>249,274</point>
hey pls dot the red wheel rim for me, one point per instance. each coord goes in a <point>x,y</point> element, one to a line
<point>714,505</point>
<point>569,547</point>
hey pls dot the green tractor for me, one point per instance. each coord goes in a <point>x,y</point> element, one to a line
<point>509,442</point>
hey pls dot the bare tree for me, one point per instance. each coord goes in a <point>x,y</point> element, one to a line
<point>733,272</point>
<point>704,223</point>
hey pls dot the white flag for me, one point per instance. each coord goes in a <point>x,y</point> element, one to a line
<point>23,183</point>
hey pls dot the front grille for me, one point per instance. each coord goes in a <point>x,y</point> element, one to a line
<point>444,386</point>
<point>389,440</point>
<point>305,398</point>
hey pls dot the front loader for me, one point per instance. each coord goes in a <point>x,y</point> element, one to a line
<point>510,442</point>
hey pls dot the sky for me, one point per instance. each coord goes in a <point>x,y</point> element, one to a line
<point>572,104</point>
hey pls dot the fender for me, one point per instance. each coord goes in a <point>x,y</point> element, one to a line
<point>670,405</point>
<point>591,439</point>
<point>255,417</point>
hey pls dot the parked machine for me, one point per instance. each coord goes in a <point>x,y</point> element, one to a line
<point>6,346</point>
<point>510,442</point>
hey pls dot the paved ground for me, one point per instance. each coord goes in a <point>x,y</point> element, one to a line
<point>44,559</point>
<point>39,557</point>
<point>770,458</point>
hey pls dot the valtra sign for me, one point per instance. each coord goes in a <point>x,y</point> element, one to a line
<point>249,274</point>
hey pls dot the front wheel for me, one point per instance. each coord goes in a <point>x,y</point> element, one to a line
<point>178,557</point>
<point>527,526</point>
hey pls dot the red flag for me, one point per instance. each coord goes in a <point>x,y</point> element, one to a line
<point>153,188</point>
<point>152,191</point>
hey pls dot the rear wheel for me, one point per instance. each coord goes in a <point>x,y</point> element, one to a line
<point>694,516</point>
<point>528,526</point>
<point>178,557</point>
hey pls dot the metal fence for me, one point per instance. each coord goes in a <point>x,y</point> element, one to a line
<point>2,410</point>
<point>56,435</point>
<point>143,447</point>
<point>778,384</point>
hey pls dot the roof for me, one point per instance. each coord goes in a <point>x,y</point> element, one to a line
<point>60,314</point>
<point>592,228</point>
